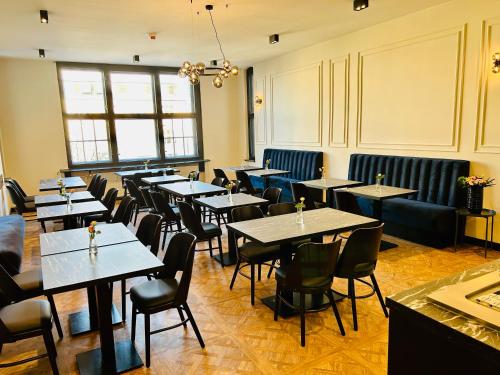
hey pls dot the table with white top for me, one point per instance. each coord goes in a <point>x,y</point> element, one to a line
<point>190,190</point>
<point>243,168</point>
<point>167,179</point>
<point>329,185</point>
<point>53,199</point>
<point>48,184</point>
<point>68,212</point>
<point>266,173</point>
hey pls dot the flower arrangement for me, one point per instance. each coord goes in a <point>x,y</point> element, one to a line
<point>146,164</point>
<point>268,163</point>
<point>300,205</point>
<point>322,170</point>
<point>379,176</point>
<point>475,181</point>
<point>92,230</point>
<point>229,186</point>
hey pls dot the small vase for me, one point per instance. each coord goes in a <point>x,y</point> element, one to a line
<point>230,196</point>
<point>92,246</point>
<point>475,199</point>
<point>267,167</point>
<point>145,167</point>
<point>191,183</point>
<point>299,219</point>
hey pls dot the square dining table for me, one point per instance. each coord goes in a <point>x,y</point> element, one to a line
<point>266,173</point>
<point>48,184</point>
<point>190,190</point>
<point>168,179</point>
<point>65,212</point>
<point>243,168</point>
<point>378,194</point>
<point>78,239</point>
<point>329,185</point>
<point>132,172</point>
<point>220,204</point>
<point>283,230</point>
<point>74,270</point>
<point>53,199</point>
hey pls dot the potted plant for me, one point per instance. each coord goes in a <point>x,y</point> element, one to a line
<point>475,189</point>
<point>300,207</point>
<point>268,163</point>
<point>92,233</point>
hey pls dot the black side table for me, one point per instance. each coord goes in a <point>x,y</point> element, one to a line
<point>485,214</point>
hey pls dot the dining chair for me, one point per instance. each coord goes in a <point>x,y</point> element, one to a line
<point>251,253</point>
<point>139,203</point>
<point>137,178</point>
<point>93,191</point>
<point>147,198</point>
<point>109,202</point>
<point>22,206</point>
<point>357,260</point>
<point>101,189</point>
<point>171,215</point>
<point>92,182</point>
<point>310,272</point>
<point>124,211</point>
<point>23,286</point>
<point>346,201</point>
<point>195,174</point>
<point>272,195</point>
<point>300,190</point>
<point>27,198</point>
<point>147,234</point>
<point>282,209</point>
<point>220,173</point>
<point>204,232</point>
<point>220,181</point>
<point>167,292</point>
<point>246,185</point>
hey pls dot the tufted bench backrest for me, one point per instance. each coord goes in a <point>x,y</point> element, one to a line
<point>303,165</point>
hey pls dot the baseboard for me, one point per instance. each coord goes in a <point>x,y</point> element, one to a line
<point>480,242</point>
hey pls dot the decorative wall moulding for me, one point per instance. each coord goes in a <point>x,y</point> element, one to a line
<point>339,82</point>
<point>260,111</point>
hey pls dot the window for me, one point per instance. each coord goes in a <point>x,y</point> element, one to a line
<point>119,114</point>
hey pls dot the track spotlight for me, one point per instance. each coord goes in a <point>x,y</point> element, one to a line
<point>41,53</point>
<point>136,59</point>
<point>44,16</point>
<point>273,39</point>
<point>360,5</point>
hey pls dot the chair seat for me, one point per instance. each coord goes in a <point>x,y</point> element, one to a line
<point>26,316</point>
<point>30,281</point>
<point>211,229</point>
<point>154,293</point>
<point>307,283</point>
<point>30,206</point>
<point>255,252</point>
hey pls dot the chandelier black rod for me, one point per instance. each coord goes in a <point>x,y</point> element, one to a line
<point>216,34</point>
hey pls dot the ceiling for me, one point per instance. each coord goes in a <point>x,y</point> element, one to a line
<point>112,31</point>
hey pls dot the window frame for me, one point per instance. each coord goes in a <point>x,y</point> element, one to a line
<point>109,116</point>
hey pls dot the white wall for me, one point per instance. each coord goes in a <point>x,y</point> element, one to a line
<point>418,85</point>
<point>32,128</point>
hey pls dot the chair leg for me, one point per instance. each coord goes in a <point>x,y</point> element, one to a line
<point>235,273</point>
<point>55,315</point>
<point>124,300</point>
<point>134,319</point>
<point>277,302</point>
<point>252,284</point>
<point>193,324</point>
<point>379,295</point>
<point>259,269</point>
<point>219,243</point>
<point>181,315</point>
<point>42,223</point>
<point>51,350</point>
<point>147,338</point>
<point>269,273</point>
<point>302,319</point>
<point>179,227</point>
<point>136,213</point>
<point>164,238</point>
<point>352,294</point>
<point>210,248</point>
<point>329,293</point>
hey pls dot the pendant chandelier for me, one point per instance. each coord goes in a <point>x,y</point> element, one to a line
<point>193,72</point>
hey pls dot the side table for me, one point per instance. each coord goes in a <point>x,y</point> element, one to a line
<point>485,214</point>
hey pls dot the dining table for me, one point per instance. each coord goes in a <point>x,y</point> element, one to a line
<point>222,204</point>
<point>192,189</point>
<point>282,230</point>
<point>48,184</point>
<point>68,212</point>
<point>166,179</point>
<point>243,168</point>
<point>266,173</point>
<point>329,185</point>
<point>69,271</point>
<point>53,199</point>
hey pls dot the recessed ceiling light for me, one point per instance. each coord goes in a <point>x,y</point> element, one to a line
<point>41,53</point>
<point>360,5</point>
<point>44,16</point>
<point>273,39</point>
<point>136,59</point>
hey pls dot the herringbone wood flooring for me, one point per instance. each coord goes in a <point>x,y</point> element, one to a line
<point>243,339</point>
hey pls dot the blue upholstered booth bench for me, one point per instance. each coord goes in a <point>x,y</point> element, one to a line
<point>303,165</point>
<point>427,217</point>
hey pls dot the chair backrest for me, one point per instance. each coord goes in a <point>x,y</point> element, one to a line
<point>147,230</point>
<point>303,165</point>
<point>137,178</point>
<point>16,184</point>
<point>236,186</point>
<point>312,261</point>
<point>93,191</point>
<point>101,188</point>
<point>220,173</point>
<point>160,204</point>
<point>9,290</point>
<point>195,174</point>
<point>190,220</point>
<point>220,181</point>
<point>245,182</point>
<point>282,209</point>
<point>360,254</point>
<point>92,183</point>
<point>272,194</point>
<point>301,191</point>
<point>179,256</point>
<point>109,201</point>
<point>134,191</point>
<point>16,198</point>
<point>245,213</point>
<point>146,196</point>
<point>347,202</point>
<point>123,213</point>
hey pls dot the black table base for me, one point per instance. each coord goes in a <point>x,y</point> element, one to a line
<point>228,259</point>
<point>80,323</point>
<point>127,358</point>
<point>314,302</point>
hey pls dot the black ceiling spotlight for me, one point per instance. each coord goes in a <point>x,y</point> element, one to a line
<point>136,59</point>
<point>213,63</point>
<point>44,16</point>
<point>273,39</point>
<point>41,53</point>
<point>360,5</point>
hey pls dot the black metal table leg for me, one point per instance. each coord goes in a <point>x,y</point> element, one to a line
<point>230,257</point>
<point>377,213</point>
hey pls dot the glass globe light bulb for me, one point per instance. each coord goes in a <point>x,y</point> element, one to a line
<point>194,79</point>
<point>181,73</point>
<point>217,82</point>
<point>226,64</point>
<point>186,65</point>
<point>200,67</point>
<point>235,70</point>
<point>224,74</point>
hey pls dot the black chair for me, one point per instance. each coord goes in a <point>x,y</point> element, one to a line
<point>139,203</point>
<point>282,209</point>
<point>22,206</point>
<point>124,211</point>
<point>109,201</point>
<point>147,234</point>
<point>220,173</point>
<point>202,231</point>
<point>346,201</point>
<point>101,189</point>
<point>27,198</point>
<point>147,198</point>
<point>171,215</point>
<point>137,178</point>
<point>220,181</point>
<point>166,292</point>
<point>300,190</point>
<point>251,253</point>
<point>246,185</point>
<point>359,259</point>
<point>93,182</point>
<point>195,174</point>
<point>23,286</point>
<point>272,194</point>
<point>94,189</point>
<point>310,272</point>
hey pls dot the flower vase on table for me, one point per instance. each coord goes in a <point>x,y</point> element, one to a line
<point>92,242</point>
<point>299,219</point>
<point>229,188</point>
<point>268,163</point>
<point>146,164</point>
<point>475,190</point>
<point>323,175</point>
<point>378,181</point>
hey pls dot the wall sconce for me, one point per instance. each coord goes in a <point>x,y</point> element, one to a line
<point>496,63</point>
<point>258,100</point>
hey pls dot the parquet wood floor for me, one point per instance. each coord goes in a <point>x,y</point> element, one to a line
<point>241,339</point>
